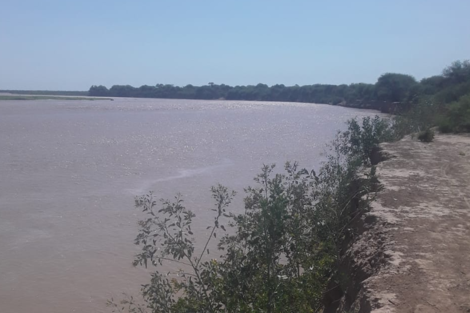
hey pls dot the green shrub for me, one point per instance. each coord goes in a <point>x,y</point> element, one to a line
<point>445,126</point>
<point>279,255</point>
<point>419,116</point>
<point>426,136</point>
<point>361,139</point>
<point>457,117</point>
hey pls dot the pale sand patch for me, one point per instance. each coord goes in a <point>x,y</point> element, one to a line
<point>425,213</point>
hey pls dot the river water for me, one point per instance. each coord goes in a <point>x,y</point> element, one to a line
<point>69,171</point>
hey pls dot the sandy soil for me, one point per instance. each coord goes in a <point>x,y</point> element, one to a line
<point>422,234</point>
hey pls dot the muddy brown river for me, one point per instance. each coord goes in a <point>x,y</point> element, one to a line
<point>69,171</point>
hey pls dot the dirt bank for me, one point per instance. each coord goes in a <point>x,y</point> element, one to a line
<point>412,251</point>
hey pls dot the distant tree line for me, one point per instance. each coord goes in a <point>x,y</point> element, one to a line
<point>390,88</point>
<point>392,92</point>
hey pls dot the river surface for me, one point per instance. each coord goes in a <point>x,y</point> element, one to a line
<point>69,171</point>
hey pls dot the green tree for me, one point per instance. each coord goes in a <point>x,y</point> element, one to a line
<point>395,87</point>
<point>458,72</point>
<point>98,91</point>
<point>457,116</point>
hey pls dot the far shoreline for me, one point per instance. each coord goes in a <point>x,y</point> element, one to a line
<point>21,97</point>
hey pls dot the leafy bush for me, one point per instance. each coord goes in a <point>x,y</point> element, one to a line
<point>418,117</point>
<point>360,141</point>
<point>452,93</point>
<point>426,136</point>
<point>278,256</point>
<point>457,116</point>
<point>444,124</point>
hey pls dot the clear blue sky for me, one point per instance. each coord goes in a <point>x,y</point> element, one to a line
<point>71,45</point>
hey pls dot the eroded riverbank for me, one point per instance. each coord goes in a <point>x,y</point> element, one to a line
<point>411,253</point>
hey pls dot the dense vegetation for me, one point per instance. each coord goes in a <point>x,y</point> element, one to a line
<point>443,95</point>
<point>314,93</point>
<point>390,87</point>
<point>280,255</point>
